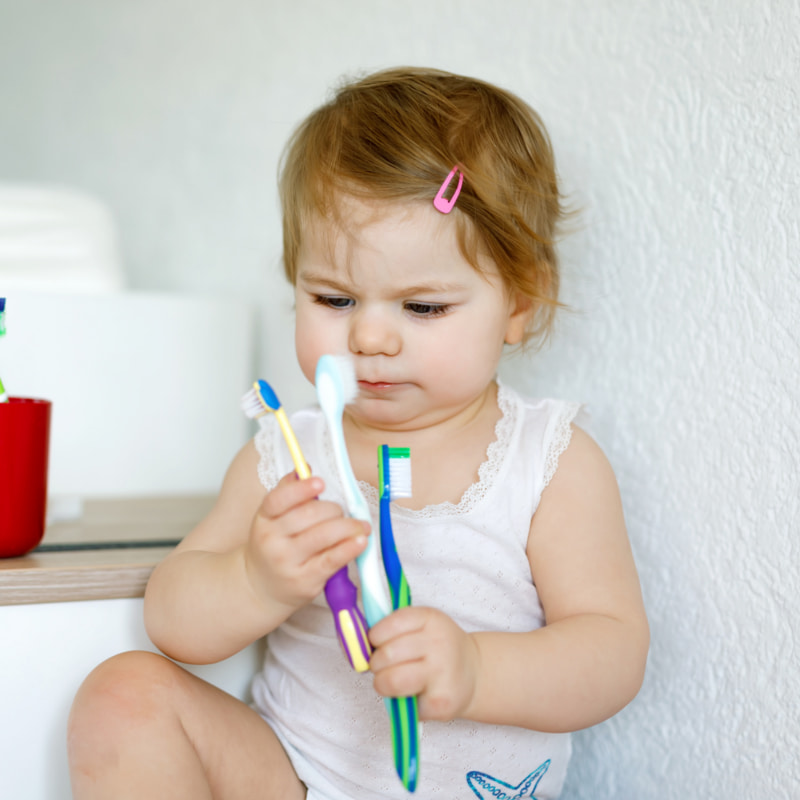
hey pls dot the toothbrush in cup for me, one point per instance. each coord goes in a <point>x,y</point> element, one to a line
<point>340,592</point>
<point>3,395</point>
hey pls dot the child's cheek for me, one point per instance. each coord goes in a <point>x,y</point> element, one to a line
<point>313,338</point>
<point>307,357</point>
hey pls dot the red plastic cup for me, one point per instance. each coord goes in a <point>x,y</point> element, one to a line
<point>24,451</point>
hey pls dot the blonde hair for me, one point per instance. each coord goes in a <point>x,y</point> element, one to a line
<point>396,134</point>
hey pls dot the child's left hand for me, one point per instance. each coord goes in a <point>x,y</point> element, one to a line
<point>421,651</point>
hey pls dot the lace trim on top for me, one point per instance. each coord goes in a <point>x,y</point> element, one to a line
<point>267,473</point>
<point>487,472</point>
<point>562,435</point>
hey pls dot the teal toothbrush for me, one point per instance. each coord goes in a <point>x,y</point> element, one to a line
<point>336,384</point>
<point>394,480</point>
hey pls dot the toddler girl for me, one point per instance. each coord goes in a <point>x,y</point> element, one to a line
<point>419,213</point>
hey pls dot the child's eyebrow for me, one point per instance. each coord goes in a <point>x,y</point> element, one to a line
<point>429,288</point>
<point>320,279</point>
<point>323,279</point>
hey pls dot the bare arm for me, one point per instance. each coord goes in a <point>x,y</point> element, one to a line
<point>583,666</point>
<point>248,565</point>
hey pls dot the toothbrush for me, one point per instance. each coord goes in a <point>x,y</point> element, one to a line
<point>3,395</point>
<point>394,480</point>
<point>336,386</point>
<point>340,592</point>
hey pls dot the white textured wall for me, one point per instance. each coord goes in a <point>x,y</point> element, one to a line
<point>676,130</point>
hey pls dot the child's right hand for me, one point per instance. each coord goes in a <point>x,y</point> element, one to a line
<point>297,542</point>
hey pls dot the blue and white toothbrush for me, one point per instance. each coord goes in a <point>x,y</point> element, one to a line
<point>394,480</point>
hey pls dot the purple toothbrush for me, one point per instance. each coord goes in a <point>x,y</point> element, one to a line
<point>340,592</point>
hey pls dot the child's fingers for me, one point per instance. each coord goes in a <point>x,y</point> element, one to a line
<point>399,623</point>
<point>422,652</point>
<point>401,642</point>
<point>297,541</point>
<point>339,550</point>
<point>330,544</point>
<point>299,534</point>
<point>310,539</point>
<point>408,679</point>
<point>306,516</point>
<point>288,543</point>
<point>290,492</point>
<point>301,564</point>
<point>401,666</point>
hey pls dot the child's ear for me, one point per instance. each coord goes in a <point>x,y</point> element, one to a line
<point>518,319</point>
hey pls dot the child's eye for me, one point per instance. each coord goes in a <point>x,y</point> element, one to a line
<point>332,301</point>
<point>427,309</point>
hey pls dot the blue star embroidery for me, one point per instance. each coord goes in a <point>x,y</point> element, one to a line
<point>486,787</point>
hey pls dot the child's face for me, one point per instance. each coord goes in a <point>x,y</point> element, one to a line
<point>392,290</point>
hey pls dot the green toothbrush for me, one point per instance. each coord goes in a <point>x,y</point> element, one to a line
<point>394,480</point>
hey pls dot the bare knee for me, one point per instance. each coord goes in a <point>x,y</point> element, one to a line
<point>119,699</point>
<point>128,684</point>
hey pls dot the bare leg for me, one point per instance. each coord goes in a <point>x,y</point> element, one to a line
<point>141,726</point>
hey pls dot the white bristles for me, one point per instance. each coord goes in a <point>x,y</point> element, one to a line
<point>252,404</point>
<point>400,473</point>
<point>346,371</point>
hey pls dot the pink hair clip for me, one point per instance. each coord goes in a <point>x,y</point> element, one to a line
<point>440,202</point>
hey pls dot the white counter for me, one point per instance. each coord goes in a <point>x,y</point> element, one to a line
<point>62,613</point>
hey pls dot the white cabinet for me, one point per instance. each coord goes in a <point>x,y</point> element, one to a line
<point>46,650</point>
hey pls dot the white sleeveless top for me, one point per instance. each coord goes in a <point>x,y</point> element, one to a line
<point>467,560</point>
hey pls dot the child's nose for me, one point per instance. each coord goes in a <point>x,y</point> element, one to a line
<point>373,333</point>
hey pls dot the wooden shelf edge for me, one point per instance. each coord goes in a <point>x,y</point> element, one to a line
<point>23,587</point>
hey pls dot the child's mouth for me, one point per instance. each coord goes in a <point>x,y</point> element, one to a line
<point>376,386</point>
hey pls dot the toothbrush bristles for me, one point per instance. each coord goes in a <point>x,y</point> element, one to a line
<point>259,400</point>
<point>400,472</point>
<point>347,375</point>
<point>253,406</point>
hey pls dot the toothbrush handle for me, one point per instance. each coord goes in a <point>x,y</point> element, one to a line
<point>404,716</point>
<point>396,578</point>
<point>340,592</point>
<point>403,711</point>
<point>351,628</point>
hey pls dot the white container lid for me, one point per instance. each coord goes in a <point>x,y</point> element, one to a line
<point>56,239</point>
